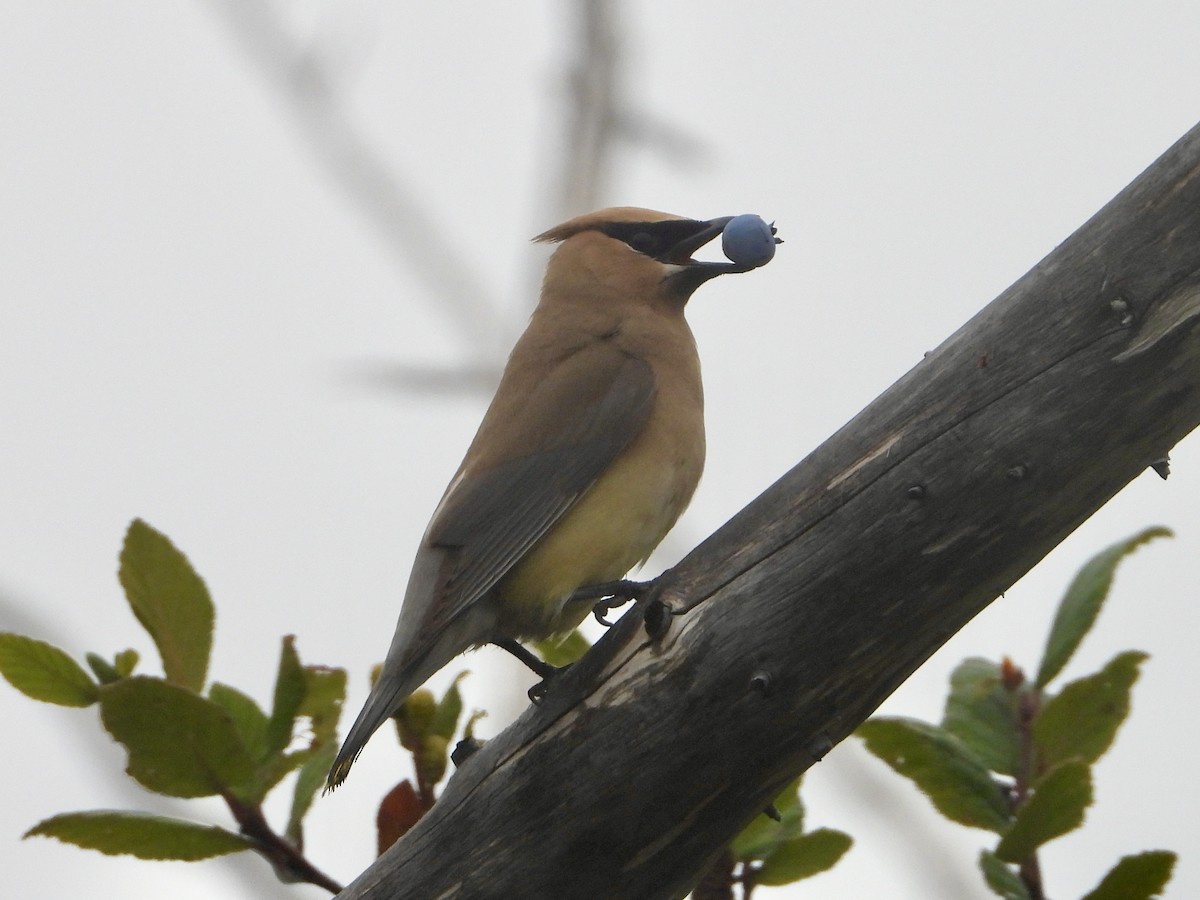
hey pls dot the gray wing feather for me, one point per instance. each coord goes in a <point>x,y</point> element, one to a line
<point>495,517</point>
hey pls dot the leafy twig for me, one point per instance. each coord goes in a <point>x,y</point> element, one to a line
<point>289,863</point>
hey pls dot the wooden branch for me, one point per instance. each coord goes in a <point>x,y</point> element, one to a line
<point>823,595</point>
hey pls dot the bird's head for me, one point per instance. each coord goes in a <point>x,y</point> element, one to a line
<point>635,251</point>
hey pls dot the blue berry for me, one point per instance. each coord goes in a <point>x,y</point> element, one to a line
<point>749,241</point>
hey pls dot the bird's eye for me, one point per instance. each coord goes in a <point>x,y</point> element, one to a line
<point>644,242</point>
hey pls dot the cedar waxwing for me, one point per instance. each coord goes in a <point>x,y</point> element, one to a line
<point>589,452</point>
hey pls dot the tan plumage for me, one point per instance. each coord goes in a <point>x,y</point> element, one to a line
<point>589,452</point>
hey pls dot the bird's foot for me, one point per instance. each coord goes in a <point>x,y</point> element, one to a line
<point>538,691</point>
<point>609,595</point>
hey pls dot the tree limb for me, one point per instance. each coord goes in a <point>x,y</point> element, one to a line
<point>816,601</point>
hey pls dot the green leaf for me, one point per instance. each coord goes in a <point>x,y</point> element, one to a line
<point>942,766</point>
<point>1139,877</point>
<point>763,835</point>
<point>122,666</point>
<point>171,602</point>
<point>141,835</point>
<point>562,651</point>
<point>179,743</point>
<point>324,694</point>
<point>760,838</point>
<point>1083,719</point>
<point>980,712</point>
<point>103,670</point>
<point>289,695</point>
<point>44,672</point>
<point>1001,879</point>
<point>1056,807</point>
<point>310,780</point>
<point>1079,607</point>
<point>276,767</point>
<point>449,708</point>
<point>804,856</point>
<point>247,716</point>
<point>125,662</point>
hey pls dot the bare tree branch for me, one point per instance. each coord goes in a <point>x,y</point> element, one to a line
<point>779,634</point>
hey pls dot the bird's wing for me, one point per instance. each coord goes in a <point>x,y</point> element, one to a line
<point>578,419</point>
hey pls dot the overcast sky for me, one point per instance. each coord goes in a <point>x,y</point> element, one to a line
<point>200,321</point>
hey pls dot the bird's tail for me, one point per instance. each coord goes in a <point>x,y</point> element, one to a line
<point>411,661</point>
<point>391,690</point>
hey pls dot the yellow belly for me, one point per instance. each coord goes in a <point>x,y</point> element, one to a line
<point>614,526</point>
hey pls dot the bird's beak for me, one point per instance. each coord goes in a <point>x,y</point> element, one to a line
<point>694,272</point>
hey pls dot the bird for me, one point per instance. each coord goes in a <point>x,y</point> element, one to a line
<point>589,452</point>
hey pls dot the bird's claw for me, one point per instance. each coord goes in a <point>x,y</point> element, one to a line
<point>603,606</point>
<point>609,595</point>
<point>537,693</point>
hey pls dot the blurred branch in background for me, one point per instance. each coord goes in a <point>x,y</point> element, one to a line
<point>598,114</point>
<point>592,109</point>
<point>410,233</point>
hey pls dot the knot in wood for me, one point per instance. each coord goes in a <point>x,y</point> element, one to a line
<point>819,746</point>
<point>761,682</point>
<point>1120,306</point>
<point>657,619</point>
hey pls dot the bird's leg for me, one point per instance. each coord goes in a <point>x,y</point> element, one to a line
<point>609,595</point>
<point>538,666</point>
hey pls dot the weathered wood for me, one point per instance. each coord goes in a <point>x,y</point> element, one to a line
<point>818,599</point>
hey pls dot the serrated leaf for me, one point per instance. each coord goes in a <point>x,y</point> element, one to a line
<point>1081,604</point>
<point>942,766</point>
<point>248,717</point>
<point>324,694</point>
<point>803,856</point>
<point>171,601</point>
<point>141,835</point>
<point>449,708</point>
<point>1138,877</point>
<point>562,651</point>
<point>310,780</point>
<point>1082,720</point>
<point>764,834</point>
<point>1000,878</point>
<point>1056,807</point>
<point>981,714</point>
<point>289,695</point>
<point>180,744</point>
<point>43,672</point>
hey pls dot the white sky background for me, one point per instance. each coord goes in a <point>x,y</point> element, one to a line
<point>192,309</point>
